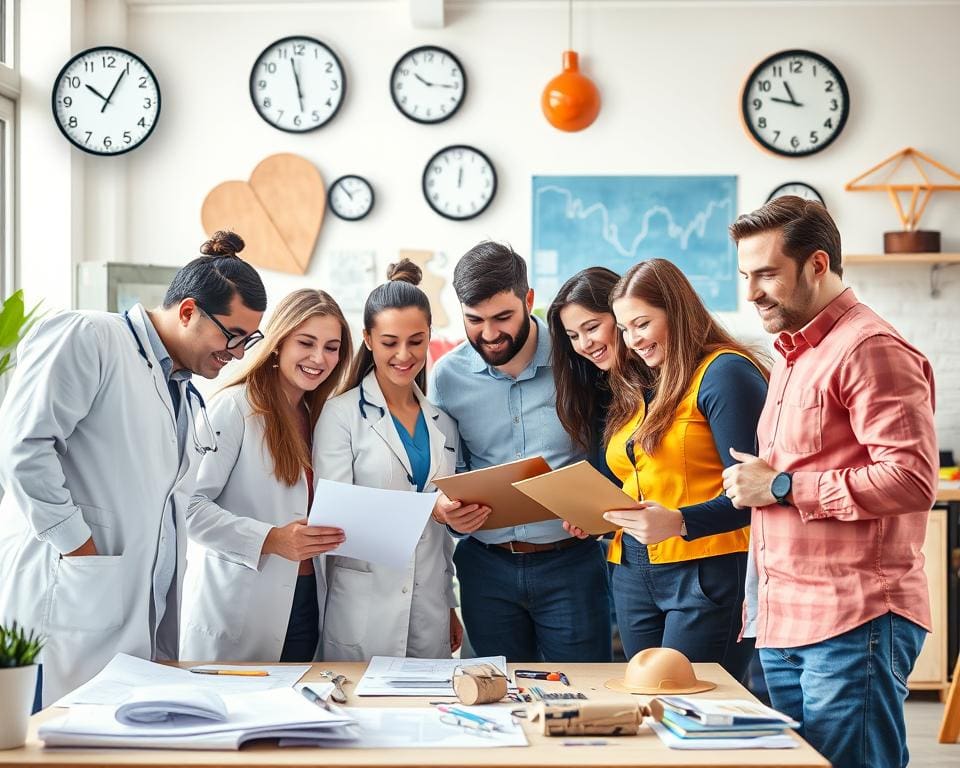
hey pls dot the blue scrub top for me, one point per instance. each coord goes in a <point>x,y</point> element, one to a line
<point>417,447</point>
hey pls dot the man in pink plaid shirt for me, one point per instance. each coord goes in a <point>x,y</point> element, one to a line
<point>840,491</point>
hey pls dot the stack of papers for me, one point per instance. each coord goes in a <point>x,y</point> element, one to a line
<point>681,722</point>
<point>397,676</point>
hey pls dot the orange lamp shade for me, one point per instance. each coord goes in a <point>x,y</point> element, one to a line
<point>570,101</point>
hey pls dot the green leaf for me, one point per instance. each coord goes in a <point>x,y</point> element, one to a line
<point>11,320</point>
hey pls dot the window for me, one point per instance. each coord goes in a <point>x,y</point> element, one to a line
<point>9,94</point>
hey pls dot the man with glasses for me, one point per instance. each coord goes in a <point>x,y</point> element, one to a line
<point>101,433</point>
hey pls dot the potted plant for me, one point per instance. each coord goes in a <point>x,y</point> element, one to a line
<point>15,321</point>
<point>18,682</point>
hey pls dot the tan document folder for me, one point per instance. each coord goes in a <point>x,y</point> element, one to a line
<point>578,494</point>
<point>493,486</point>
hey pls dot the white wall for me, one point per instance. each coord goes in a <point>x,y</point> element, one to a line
<point>669,73</point>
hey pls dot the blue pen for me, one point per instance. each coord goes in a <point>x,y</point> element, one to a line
<point>483,722</point>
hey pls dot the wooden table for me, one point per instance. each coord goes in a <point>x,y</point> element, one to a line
<point>645,749</point>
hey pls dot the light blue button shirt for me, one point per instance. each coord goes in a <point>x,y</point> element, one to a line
<point>503,419</point>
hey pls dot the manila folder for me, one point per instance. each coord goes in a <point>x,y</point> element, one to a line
<point>578,494</point>
<point>492,486</point>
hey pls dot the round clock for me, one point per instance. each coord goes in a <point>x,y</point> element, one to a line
<point>428,84</point>
<point>106,101</point>
<point>351,197</point>
<point>297,84</point>
<point>798,188</point>
<point>459,182</point>
<point>795,103</point>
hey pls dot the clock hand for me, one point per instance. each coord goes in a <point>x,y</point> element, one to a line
<point>425,82</point>
<point>296,79</point>
<point>789,92</point>
<point>113,90</point>
<point>786,101</point>
<point>460,177</point>
<point>344,188</point>
<point>91,88</point>
<point>445,85</point>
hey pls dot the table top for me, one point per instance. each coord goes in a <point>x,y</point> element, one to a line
<point>644,749</point>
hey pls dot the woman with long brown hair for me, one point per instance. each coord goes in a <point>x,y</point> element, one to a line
<point>679,580</point>
<point>257,585</point>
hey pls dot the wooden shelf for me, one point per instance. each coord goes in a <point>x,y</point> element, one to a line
<point>901,258</point>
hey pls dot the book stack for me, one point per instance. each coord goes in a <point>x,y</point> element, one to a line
<point>690,718</point>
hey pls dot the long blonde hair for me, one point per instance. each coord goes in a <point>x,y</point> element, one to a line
<point>290,452</point>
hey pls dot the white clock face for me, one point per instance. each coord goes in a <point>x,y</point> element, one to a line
<point>428,84</point>
<point>297,84</point>
<point>795,103</point>
<point>106,101</point>
<point>351,197</point>
<point>459,182</point>
<point>798,188</point>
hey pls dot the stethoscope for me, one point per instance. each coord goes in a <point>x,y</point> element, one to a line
<point>191,391</point>
<point>383,412</point>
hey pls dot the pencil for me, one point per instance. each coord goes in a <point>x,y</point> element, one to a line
<point>234,672</point>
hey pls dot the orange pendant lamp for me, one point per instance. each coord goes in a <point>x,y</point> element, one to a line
<point>571,101</point>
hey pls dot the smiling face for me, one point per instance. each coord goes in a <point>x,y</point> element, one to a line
<point>308,355</point>
<point>398,341</point>
<point>592,335</point>
<point>498,327</point>
<point>204,345</point>
<point>783,294</point>
<point>644,328</point>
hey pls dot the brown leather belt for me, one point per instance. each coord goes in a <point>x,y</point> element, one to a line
<point>528,548</point>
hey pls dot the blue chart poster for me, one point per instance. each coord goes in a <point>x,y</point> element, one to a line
<point>616,221</point>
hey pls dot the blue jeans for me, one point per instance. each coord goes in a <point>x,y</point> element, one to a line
<point>848,691</point>
<point>549,606</point>
<point>694,606</point>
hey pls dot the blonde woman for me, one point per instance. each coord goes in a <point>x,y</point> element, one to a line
<point>258,585</point>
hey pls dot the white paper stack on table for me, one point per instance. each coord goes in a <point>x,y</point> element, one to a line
<point>398,676</point>
<point>683,722</point>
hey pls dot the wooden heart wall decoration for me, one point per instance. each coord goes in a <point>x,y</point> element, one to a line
<point>277,212</point>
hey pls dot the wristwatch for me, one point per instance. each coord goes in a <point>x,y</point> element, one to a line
<point>781,487</point>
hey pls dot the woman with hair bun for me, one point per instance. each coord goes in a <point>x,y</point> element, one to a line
<point>382,432</point>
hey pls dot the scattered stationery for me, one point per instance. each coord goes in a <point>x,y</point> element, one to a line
<point>125,674</point>
<point>396,676</point>
<point>238,672</point>
<point>381,526</point>
<point>578,494</point>
<point>778,741</point>
<point>493,487</point>
<point>683,722</point>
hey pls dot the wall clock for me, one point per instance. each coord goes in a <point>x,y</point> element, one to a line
<point>106,100</point>
<point>795,103</point>
<point>459,182</point>
<point>350,197</point>
<point>798,188</point>
<point>428,84</point>
<point>297,84</point>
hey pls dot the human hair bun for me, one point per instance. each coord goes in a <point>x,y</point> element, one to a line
<point>223,243</point>
<point>405,271</point>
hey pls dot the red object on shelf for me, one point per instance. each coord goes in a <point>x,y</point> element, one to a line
<point>571,101</point>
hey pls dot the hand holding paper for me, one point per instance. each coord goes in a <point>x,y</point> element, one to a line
<point>463,518</point>
<point>650,523</point>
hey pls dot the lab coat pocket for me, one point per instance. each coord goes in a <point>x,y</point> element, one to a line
<point>349,593</point>
<point>800,423</point>
<point>229,595</point>
<point>87,593</point>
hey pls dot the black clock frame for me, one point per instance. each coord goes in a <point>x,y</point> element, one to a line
<point>412,52</point>
<point>426,171</point>
<point>343,83</point>
<point>745,97</point>
<point>80,55</point>
<point>816,191</point>
<point>373,197</point>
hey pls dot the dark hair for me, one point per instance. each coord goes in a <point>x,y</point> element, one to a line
<point>487,269</point>
<point>213,279</point>
<point>400,292</point>
<point>804,225</point>
<point>577,379</point>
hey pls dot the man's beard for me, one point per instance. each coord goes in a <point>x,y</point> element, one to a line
<point>513,346</point>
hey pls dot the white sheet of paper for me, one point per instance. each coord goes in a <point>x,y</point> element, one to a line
<point>124,674</point>
<point>381,526</point>
<point>668,737</point>
<point>397,676</point>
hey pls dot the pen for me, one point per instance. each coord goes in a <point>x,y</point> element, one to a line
<point>594,743</point>
<point>312,696</point>
<point>236,672</point>
<point>478,719</point>
<point>537,674</point>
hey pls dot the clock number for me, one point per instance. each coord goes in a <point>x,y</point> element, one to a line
<point>315,116</point>
<point>334,85</point>
<point>67,102</point>
<point>110,62</point>
<point>280,116</point>
<point>267,102</point>
<point>107,142</point>
<point>829,88</point>
<point>764,85</point>
<point>282,53</point>
<point>296,121</point>
<point>72,122</point>
<point>127,138</point>
<point>328,68</point>
<point>147,103</point>
<point>270,67</point>
<point>833,105</point>
<point>399,85</point>
<point>762,122</point>
<point>143,82</point>
<point>454,72</point>
<point>829,123</point>
<point>777,70</point>
<point>72,82</point>
<point>299,49</point>
<point>261,84</point>
<point>776,135</point>
<point>813,137</point>
<point>428,56</point>
<point>89,134</point>
<point>794,142</point>
<point>329,103</point>
<point>796,67</point>
<point>142,122</point>
<point>757,103</point>
<point>88,66</point>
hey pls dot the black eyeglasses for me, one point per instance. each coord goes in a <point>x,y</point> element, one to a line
<point>234,340</point>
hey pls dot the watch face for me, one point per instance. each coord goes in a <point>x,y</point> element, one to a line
<point>297,84</point>
<point>428,84</point>
<point>795,103</point>
<point>781,485</point>
<point>798,188</point>
<point>106,101</point>
<point>459,182</point>
<point>351,197</point>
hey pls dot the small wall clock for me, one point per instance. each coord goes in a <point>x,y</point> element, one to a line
<point>798,188</point>
<point>428,84</point>
<point>795,103</point>
<point>350,197</point>
<point>459,182</point>
<point>106,101</point>
<point>297,84</point>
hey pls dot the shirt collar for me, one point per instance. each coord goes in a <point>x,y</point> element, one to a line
<point>541,356</point>
<point>816,330</point>
<point>160,352</point>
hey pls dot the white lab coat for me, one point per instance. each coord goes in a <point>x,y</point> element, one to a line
<point>371,609</point>
<point>239,601</point>
<point>89,448</point>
